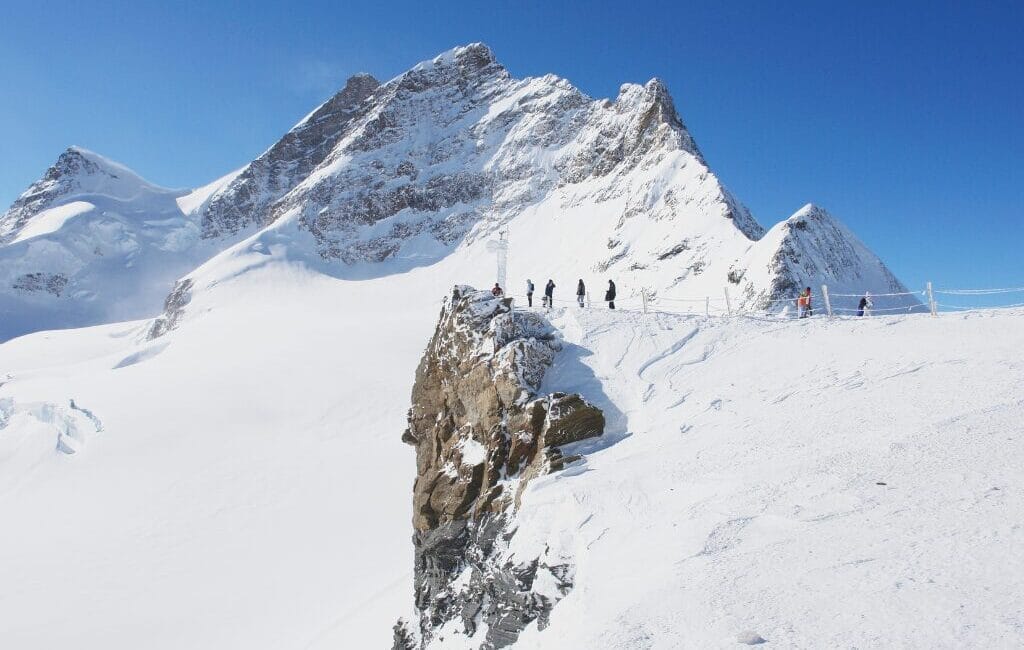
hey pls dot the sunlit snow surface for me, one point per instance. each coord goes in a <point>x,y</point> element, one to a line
<point>247,487</point>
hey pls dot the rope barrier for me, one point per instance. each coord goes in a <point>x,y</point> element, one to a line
<point>978,292</point>
<point>872,310</point>
<point>700,300</point>
<point>876,295</point>
<point>966,308</point>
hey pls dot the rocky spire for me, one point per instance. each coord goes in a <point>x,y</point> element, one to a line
<point>481,432</point>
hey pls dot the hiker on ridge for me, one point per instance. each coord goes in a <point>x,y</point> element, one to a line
<point>581,291</point>
<point>549,293</point>
<point>609,296</point>
<point>865,305</point>
<point>529,293</point>
<point>803,303</point>
<point>496,291</point>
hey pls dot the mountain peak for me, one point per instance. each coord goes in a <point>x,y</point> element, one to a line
<point>476,55</point>
<point>79,161</point>
<point>362,83</point>
<point>811,215</point>
<point>808,210</point>
<point>457,65</point>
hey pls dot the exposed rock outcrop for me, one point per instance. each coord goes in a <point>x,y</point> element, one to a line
<point>174,309</point>
<point>481,432</point>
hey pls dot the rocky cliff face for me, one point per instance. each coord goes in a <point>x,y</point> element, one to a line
<point>454,144</point>
<point>247,199</point>
<point>481,432</point>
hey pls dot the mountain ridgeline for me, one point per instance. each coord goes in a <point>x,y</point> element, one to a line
<point>384,177</point>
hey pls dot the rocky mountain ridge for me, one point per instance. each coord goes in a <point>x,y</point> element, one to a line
<point>385,177</point>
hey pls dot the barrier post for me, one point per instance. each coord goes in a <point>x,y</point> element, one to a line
<point>728,303</point>
<point>707,306</point>
<point>931,301</point>
<point>643,294</point>
<point>828,301</point>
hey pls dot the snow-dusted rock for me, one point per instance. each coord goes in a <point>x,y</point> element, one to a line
<point>481,433</point>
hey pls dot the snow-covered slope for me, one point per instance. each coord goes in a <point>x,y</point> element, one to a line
<point>91,242</point>
<point>245,473</point>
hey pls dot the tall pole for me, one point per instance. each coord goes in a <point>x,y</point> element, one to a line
<point>500,248</point>
<point>931,301</point>
<point>828,301</point>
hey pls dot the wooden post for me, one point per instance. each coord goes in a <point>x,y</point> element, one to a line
<point>828,301</point>
<point>728,303</point>
<point>931,301</point>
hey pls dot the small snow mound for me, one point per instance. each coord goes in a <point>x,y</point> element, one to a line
<point>750,638</point>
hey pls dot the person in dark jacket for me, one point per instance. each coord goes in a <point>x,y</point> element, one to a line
<point>549,293</point>
<point>496,291</point>
<point>581,291</point>
<point>529,292</point>
<point>609,296</point>
<point>865,305</point>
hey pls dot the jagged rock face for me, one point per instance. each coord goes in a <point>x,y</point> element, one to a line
<point>174,309</point>
<point>457,143</point>
<point>481,432</point>
<point>245,200</point>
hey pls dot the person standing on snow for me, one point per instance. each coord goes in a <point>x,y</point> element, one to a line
<point>496,291</point>
<point>609,296</point>
<point>529,293</point>
<point>865,305</point>
<point>549,293</point>
<point>581,291</point>
<point>803,303</point>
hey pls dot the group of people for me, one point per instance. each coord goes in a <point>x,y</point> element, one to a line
<point>804,308</point>
<point>549,293</point>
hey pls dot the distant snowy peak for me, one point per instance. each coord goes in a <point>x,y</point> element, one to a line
<point>812,248</point>
<point>77,174</point>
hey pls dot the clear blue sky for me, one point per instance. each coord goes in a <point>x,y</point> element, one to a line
<point>902,118</point>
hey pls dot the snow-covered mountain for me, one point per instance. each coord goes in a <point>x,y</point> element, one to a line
<point>385,177</point>
<point>582,477</point>
<point>92,242</point>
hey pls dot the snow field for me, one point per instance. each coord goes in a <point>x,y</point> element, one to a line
<point>821,484</point>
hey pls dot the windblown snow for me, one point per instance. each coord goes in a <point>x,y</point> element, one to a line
<point>235,476</point>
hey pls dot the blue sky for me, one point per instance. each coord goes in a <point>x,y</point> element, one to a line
<point>903,119</point>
